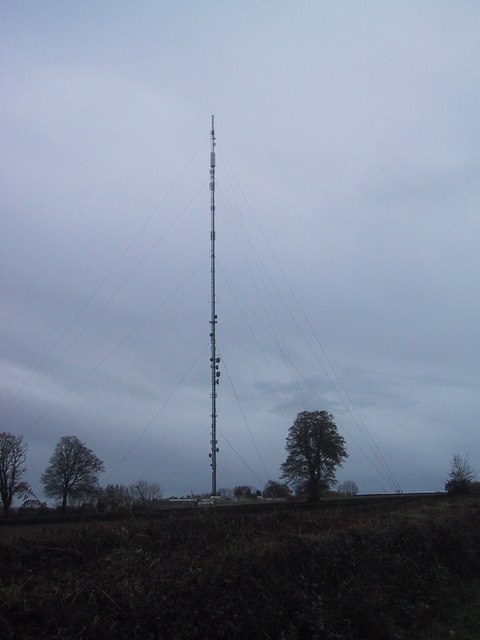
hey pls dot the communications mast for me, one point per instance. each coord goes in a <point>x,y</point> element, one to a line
<point>214,360</point>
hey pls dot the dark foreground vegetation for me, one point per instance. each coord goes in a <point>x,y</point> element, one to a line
<point>375,572</point>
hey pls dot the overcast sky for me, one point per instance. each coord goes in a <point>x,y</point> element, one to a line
<point>347,234</point>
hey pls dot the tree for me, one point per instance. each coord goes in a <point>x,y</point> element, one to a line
<point>72,472</point>
<point>145,494</point>
<point>462,476</point>
<point>13,453</point>
<point>275,489</point>
<point>314,449</point>
<point>348,488</point>
<point>244,491</point>
<point>115,496</point>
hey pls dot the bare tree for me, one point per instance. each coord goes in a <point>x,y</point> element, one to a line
<point>348,488</point>
<point>72,472</point>
<point>116,496</point>
<point>462,475</point>
<point>145,494</point>
<point>13,453</point>
<point>244,491</point>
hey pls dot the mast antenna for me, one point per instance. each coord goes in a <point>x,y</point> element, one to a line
<point>214,360</point>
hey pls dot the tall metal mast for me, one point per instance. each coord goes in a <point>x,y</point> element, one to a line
<point>214,360</point>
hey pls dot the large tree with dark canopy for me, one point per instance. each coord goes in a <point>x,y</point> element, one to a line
<point>72,472</point>
<point>315,449</point>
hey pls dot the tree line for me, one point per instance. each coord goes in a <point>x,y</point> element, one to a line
<point>71,478</point>
<point>315,449</point>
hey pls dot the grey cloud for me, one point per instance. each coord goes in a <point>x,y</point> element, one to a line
<point>347,141</point>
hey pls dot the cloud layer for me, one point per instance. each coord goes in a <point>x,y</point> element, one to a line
<point>347,227</point>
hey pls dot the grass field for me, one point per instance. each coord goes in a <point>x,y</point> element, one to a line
<point>375,571</point>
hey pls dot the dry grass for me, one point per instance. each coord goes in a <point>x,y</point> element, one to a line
<point>338,574</point>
